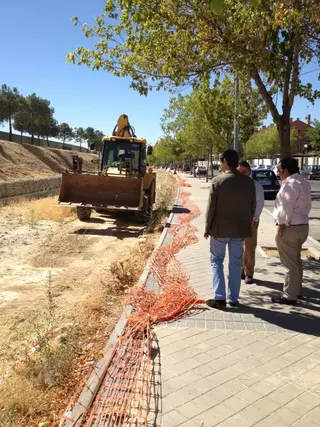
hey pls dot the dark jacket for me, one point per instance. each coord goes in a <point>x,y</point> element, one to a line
<point>231,206</point>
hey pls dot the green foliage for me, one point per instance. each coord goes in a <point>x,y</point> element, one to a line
<point>10,103</point>
<point>218,6</point>
<point>35,117</point>
<point>65,132</point>
<point>172,43</point>
<point>314,136</point>
<point>266,143</point>
<point>202,122</point>
<point>93,138</point>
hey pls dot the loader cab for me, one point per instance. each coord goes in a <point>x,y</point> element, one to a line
<point>123,156</point>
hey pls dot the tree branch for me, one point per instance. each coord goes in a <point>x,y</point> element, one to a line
<point>265,94</point>
<point>295,73</point>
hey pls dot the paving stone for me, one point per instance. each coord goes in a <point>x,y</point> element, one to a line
<point>286,393</point>
<point>314,416</point>
<point>237,421</point>
<point>253,412</point>
<point>182,367</point>
<point>236,403</point>
<point>303,404</point>
<point>255,367</point>
<point>285,416</point>
<point>249,395</point>
<point>172,419</point>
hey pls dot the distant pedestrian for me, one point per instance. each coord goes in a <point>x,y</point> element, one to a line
<point>250,243</point>
<point>230,211</point>
<point>291,213</point>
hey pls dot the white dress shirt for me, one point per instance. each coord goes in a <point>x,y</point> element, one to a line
<point>293,202</point>
<point>259,200</point>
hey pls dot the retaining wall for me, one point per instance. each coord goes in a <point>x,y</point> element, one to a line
<point>29,187</point>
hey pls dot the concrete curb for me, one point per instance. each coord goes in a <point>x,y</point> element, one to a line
<point>312,243</point>
<point>95,379</point>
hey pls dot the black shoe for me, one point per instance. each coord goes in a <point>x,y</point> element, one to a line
<point>216,303</point>
<point>234,304</point>
<point>249,280</point>
<point>243,276</point>
<point>300,297</point>
<point>283,300</point>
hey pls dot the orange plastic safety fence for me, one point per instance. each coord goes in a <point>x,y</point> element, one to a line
<point>124,397</point>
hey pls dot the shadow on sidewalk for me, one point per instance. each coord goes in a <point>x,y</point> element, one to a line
<point>297,320</point>
<point>156,384</point>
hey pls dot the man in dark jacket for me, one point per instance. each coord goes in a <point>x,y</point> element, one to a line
<point>230,211</point>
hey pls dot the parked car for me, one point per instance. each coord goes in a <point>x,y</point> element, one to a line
<point>268,180</point>
<point>201,170</point>
<point>311,172</point>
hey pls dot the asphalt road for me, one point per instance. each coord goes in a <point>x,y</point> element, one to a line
<point>315,211</point>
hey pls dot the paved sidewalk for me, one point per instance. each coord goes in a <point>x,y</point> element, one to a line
<point>256,365</point>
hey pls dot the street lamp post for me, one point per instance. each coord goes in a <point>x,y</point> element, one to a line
<point>306,146</point>
<point>236,126</point>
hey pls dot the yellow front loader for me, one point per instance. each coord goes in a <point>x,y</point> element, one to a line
<point>122,181</point>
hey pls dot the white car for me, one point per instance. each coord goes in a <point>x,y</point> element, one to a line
<point>201,170</point>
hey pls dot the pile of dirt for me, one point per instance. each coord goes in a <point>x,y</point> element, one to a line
<point>23,161</point>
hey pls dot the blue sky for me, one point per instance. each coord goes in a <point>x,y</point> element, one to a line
<point>35,36</point>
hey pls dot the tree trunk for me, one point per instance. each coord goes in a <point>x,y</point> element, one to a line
<point>210,160</point>
<point>283,127</point>
<point>207,172</point>
<point>21,136</point>
<point>38,140</point>
<point>63,141</point>
<point>10,128</point>
<point>48,141</point>
<point>80,146</point>
<point>32,138</point>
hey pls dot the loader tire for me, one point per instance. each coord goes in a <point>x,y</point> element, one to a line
<point>83,214</point>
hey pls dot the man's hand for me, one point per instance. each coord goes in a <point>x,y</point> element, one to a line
<point>206,235</point>
<point>281,228</point>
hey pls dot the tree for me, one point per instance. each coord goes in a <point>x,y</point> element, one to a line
<point>173,43</point>
<point>80,136</point>
<point>10,103</point>
<point>93,137</point>
<point>34,116</point>
<point>65,133</point>
<point>314,136</point>
<point>203,120</point>
<point>265,143</point>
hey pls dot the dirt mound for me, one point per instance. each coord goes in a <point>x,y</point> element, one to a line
<point>19,161</point>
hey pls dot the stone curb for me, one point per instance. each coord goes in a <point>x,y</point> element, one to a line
<point>312,243</point>
<point>95,379</point>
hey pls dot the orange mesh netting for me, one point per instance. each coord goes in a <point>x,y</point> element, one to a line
<point>124,397</point>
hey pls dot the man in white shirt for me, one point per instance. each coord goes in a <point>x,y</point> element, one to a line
<point>250,243</point>
<point>291,214</point>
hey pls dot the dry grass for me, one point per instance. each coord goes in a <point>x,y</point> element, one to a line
<point>273,253</point>
<point>165,195</point>
<point>47,209</point>
<point>166,190</point>
<point>126,271</point>
<point>40,383</point>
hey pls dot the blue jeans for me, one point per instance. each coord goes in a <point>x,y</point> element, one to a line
<point>218,252</point>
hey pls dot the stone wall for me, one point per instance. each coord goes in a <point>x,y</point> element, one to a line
<point>29,188</point>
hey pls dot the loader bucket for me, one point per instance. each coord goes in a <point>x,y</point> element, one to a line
<point>100,191</point>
